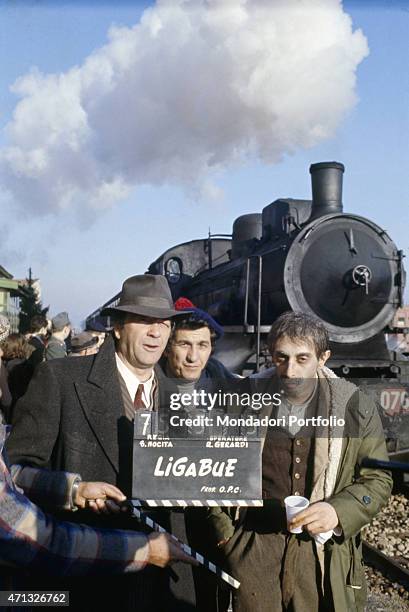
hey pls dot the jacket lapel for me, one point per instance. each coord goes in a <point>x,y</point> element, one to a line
<point>101,401</point>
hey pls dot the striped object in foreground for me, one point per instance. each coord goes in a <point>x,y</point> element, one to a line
<point>207,564</point>
<point>180,503</point>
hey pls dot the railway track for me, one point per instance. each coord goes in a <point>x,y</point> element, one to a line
<point>389,567</point>
<point>386,551</point>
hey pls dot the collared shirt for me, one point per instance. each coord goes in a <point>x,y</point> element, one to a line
<point>29,538</point>
<point>132,382</point>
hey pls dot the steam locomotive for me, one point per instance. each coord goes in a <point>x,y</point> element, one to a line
<point>301,255</point>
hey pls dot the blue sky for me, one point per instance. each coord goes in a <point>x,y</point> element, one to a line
<point>82,254</point>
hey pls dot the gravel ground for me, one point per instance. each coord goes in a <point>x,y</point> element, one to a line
<point>381,591</point>
<point>386,603</point>
<point>389,532</point>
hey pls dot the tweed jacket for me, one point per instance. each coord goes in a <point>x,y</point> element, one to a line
<point>29,538</point>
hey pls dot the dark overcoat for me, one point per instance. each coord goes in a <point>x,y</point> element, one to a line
<point>71,418</point>
<point>68,419</point>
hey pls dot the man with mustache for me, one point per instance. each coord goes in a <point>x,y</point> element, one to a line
<point>321,568</point>
<point>78,416</point>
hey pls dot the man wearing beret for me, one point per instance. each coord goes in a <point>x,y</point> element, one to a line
<point>77,415</point>
<point>191,343</point>
<point>188,362</point>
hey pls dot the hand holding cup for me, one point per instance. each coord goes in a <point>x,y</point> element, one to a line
<point>294,504</point>
<point>317,519</point>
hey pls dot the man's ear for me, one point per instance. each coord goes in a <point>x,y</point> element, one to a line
<point>324,358</point>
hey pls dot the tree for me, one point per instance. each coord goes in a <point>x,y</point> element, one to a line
<point>30,305</point>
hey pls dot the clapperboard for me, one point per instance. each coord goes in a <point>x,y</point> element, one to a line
<point>207,466</point>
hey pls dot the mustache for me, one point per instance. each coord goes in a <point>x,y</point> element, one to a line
<point>292,383</point>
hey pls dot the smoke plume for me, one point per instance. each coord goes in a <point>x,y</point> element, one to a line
<point>195,87</point>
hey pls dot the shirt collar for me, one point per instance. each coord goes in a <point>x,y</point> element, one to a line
<point>132,381</point>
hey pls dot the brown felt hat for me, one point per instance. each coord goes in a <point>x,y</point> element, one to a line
<point>83,341</point>
<point>148,295</point>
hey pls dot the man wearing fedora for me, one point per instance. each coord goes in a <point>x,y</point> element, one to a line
<point>84,344</point>
<point>77,416</point>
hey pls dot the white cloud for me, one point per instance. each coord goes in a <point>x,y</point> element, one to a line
<point>196,86</point>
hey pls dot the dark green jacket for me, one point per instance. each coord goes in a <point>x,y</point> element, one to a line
<point>359,494</point>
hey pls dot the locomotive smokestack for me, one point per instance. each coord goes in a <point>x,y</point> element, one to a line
<point>326,180</point>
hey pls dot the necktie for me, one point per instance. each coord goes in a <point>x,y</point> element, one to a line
<point>138,403</point>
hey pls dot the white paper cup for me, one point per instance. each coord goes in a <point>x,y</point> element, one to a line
<point>294,504</point>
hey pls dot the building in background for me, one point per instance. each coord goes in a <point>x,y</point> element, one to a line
<point>11,292</point>
<point>399,339</point>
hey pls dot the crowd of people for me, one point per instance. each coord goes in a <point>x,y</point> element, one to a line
<point>69,443</point>
<point>46,339</point>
